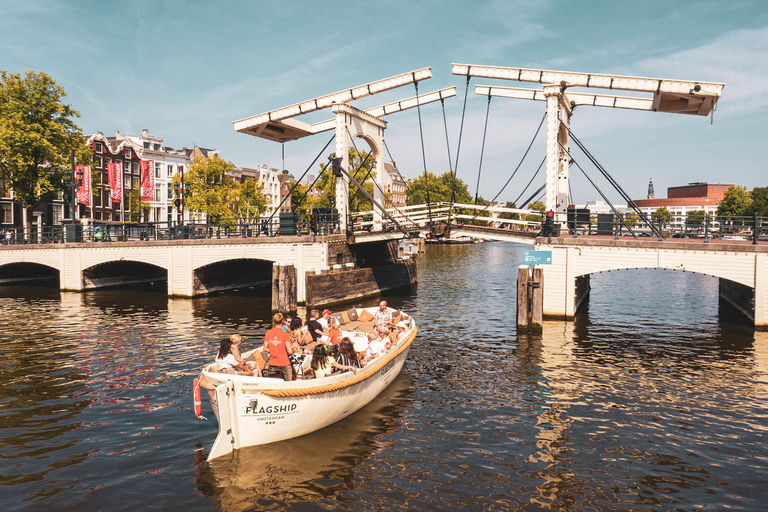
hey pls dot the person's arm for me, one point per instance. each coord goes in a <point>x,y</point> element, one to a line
<point>265,347</point>
<point>289,347</point>
<point>343,367</point>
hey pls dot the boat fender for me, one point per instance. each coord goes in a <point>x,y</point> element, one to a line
<point>198,402</point>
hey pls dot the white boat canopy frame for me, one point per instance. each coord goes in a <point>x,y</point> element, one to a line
<point>671,96</point>
<point>280,125</point>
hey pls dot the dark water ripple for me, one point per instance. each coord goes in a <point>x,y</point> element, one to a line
<point>647,401</point>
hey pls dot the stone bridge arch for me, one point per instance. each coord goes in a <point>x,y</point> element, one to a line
<point>25,272</point>
<point>742,270</point>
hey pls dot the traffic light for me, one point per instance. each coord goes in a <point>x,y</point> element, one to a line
<point>549,223</point>
<point>336,167</point>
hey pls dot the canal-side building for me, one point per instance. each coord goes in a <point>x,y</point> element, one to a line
<point>683,199</point>
<point>395,185</point>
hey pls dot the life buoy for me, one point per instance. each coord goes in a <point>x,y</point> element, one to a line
<point>198,402</point>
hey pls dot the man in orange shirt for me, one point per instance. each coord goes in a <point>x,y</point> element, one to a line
<point>277,343</point>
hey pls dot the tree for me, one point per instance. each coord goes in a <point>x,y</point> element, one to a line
<point>138,208</point>
<point>214,194</point>
<point>760,201</point>
<point>736,202</point>
<point>439,187</point>
<point>695,218</point>
<point>539,206</point>
<point>661,216</point>
<point>37,135</point>
<point>251,201</point>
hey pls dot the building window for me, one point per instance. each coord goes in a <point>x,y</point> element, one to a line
<point>127,153</point>
<point>98,147</point>
<point>135,182</point>
<point>57,212</point>
<point>157,147</point>
<point>170,192</point>
<point>6,213</point>
<point>127,181</point>
<point>126,167</point>
<point>146,144</point>
<point>158,193</point>
<point>97,161</point>
<point>169,170</point>
<point>107,160</point>
<point>97,197</point>
<point>157,169</point>
<point>135,167</point>
<point>107,215</point>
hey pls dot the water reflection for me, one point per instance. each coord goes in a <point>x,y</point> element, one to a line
<point>648,400</point>
<point>312,468</point>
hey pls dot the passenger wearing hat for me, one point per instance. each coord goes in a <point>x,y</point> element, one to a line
<point>324,321</point>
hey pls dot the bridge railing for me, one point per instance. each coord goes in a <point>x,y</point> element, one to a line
<point>707,227</point>
<point>104,231</point>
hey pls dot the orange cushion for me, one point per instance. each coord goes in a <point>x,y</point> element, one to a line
<point>365,316</point>
<point>344,318</point>
<point>259,359</point>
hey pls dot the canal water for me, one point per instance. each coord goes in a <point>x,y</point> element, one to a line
<point>648,401</point>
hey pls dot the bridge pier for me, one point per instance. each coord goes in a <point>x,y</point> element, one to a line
<point>741,268</point>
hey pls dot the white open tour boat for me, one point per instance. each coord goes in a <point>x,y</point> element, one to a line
<point>260,410</point>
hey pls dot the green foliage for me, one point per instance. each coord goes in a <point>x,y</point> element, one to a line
<point>37,135</point>
<point>737,201</point>
<point>252,201</point>
<point>695,218</point>
<point>661,216</point>
<point>217,196</point>
<point>439,189</point>
<point>632,219</point>
<point>326,184</point>
<point>539,206</point>
<point>139,209</point>
<point>760,201</point>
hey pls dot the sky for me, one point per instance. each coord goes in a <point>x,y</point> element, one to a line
<point>185,70</point>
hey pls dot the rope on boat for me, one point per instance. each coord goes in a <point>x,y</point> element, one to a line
<point>316,390</point>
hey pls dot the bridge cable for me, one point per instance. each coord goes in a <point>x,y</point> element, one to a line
<point>482,147</point>
<point>450,165</point>
<point>543,161</point>
<point>375,184</point>
<point>533,196</point>
<point>458,150</point>
<point>299,180</point>
<point>535,135</point>
<point>615,184</point>
<point>423,155</point>
<point>615,211</point>
<point>407,186</point>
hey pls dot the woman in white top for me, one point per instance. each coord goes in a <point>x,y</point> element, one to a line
<point>228,363</point>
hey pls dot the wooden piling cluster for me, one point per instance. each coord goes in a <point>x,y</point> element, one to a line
<point>284,288</point>
<point>530,298</point>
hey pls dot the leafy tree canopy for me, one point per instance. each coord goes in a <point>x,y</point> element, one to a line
<point>219,197</point>
<point>37,135</point>
<point>737,201</point>
<point>439,189</point>
<point>661,216</point>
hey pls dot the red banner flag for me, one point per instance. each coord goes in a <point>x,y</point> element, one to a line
<point>115,172</point>
<point>147,180</point>
<point>84,190</point>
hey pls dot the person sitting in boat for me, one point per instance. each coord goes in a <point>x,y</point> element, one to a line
<point>401,326</point>
<point>382,315</point>
<point>347,357</point>
<point>376,346</point>
<point>236,339</point>
<point>296,334</point>
<point>322,363</point>
<point>391,333</point>
<point>324,320</point>
<point>333,331</point>
<point>227,361</point>
<point>277,343</point>
<point>313,326</point>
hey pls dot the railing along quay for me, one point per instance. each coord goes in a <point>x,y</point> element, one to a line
<point>105,231</point>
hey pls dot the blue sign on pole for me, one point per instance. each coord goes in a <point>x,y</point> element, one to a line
<point>537,257</point>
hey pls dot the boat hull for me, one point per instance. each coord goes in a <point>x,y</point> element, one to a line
<point>254,411</point>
